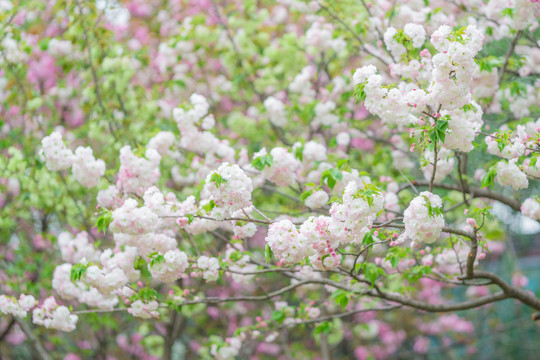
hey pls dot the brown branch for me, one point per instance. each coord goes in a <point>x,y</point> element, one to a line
<point>511,291</point>
<point>7,329</point>
<point>507,58</point>
<point>435,154</point>
<point>464,305</point>
<point>338,316</point>
<point>353,33</point>
<point>474,193</point>
<point>445,229</point>
<point>34,341</point>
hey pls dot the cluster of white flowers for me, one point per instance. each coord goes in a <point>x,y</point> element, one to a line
<point>531,208</point>
<point>313,151</point>
<point>121,258</point>
<point>283,170</point>
<point>209,267</point>
<point>343,139</point>
<point>11,306</point>
<point>317,199</point>
<point>394,106</point>
<point>509,174</point>
<point>416,32</point>
<point>133,220</point>
<point>74,249</point>
<point>323,114</point>
<point>320,234</point>
<point>302,85</point>
<point>463,127</point>
<point>105,281</point>
<point>445,164</point>
<point>57,155</point>
<point>187,119</point>
<point>515,149</point>
<point>395,48</point>
<point>420,225</point>
<point>285,242</point>
<point>162,142</point>
<point>53,316</point>
<point>164,206</point>
<point>454,66</point>
<point>62,284</point>
<point>319,38</point>
<point>319,237</point>
<point>172,266</point>
<point>276,110</point>
<point>136,174</point>
<point>57,47</point>
<point>202,142</point>
<point>227,351</point>
<point>243,229</point>
<point>109,198</point>
<point>229,187</point>
<point>86,169</point>
<point>147,243</point>
<point>242,270</point>
<point>357,212</point>
<point>144,310</point>
<point>531,168</point>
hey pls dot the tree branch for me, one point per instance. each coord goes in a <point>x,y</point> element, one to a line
<point>34,341</point>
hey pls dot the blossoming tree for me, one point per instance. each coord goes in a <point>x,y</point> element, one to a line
<point>262,179</point>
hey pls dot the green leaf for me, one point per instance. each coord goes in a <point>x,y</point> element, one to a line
<point>278,316</point>
<point>306,194</point>
<point>147,294</point>
<point>77,271</point>
<point>343,165</point>
<point>218,179</point>
<point>268,253</point>
<point>489,178</point>
<point>260,162</point>
<point>372,272</point>
<point>323,327</point>
<point>330,177</point>
<point>103,221</point>
<point>359,93</point>
<point>368,238</point>
<point>341,297</point>
<point>208,207</point>
<point>156,259</point>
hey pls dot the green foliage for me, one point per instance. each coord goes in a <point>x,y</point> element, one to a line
<point>416,273</point>
<point>78,271</point>
<point>323,328</point>
<point>372,272</point>
<point>490,62</point>
<point>156,258</point>
<point>278,316</point>
<point>341,297</point>
<point>331,176</point>
<point>433,211</point>
<point>359,93</point>
<point>207,207</point>
<point>268,253</point>
<point>217,179</point>
<point>261,162</point>
<point>489,178</point>
<point>367,193</point>
<point>146,294</point>
<point>103,221</point>
<point>438,132</point>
